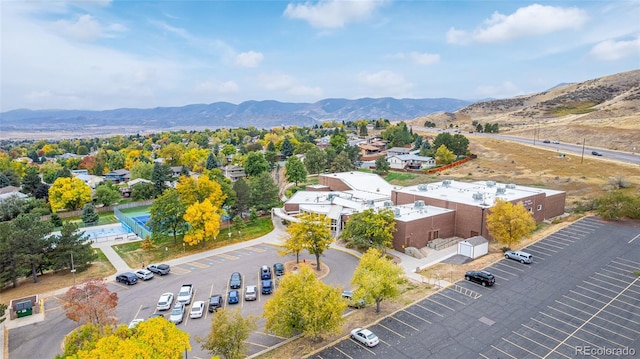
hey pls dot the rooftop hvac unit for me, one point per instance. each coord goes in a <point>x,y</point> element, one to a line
<point>418,204</point>
<point>501,190</point>
<point>388,203</point>
<point>478,196</point>
<point>331,196</point>
<point>396,212</point>
<point>370,202</point>
<point>422,187</point>
<point>491,183</point>
<point>511,185</point>
<point>446,183</point>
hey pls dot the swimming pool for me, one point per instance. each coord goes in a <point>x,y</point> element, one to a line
<point>105,231</point>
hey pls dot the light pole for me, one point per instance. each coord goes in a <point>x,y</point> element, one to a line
<point>73,270</point>
<point>184,248</point>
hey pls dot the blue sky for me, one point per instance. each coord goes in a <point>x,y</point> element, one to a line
<point>112,54</point>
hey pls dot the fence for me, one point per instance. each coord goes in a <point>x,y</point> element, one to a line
<point>78,212</point>
<point>128,222</point>
<point>451,165</point>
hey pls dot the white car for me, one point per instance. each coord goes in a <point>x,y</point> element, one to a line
<point>365,336</point>
<point>165,302</point>
<point>197,309</point>
<point>251,292</point>
<point>134,323</point>
<point>144,274</point>
<point>177,314</point>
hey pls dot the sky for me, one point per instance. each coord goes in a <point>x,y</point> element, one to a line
<point>102,54</point>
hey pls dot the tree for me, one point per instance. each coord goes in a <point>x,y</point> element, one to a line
<point>142,170</point>
<point>444,156</point>
<point>204,220</point>
<point>90,302</point>
<point>229,330</point>
<point>376,278</point>
<point>107,194</point>
<point>287,148</point>
<point>89,215</point>
<point>33,246</point>
<point>304,304</point>
<point>10,246</point>
<point>316,160</point>
<point>341,163</point>
<point>459,145</point>
<point>243,196</point>
<point>161,174</point>
<point>31,180</point>
<point>312,233</point>
<point>70,246</point>
<point>194,190</point>
<point>338,139</point>
<point>382,166</point>
<point>264,192</point>
<point>397,135</point>
<point>295,171</point>
<point>369,228</point>
<point>142,191</point>
<point>69,193</point>
<point>166,214</point>
<point>212,162</point>
<point>255,164</point>
<point>508,223</point>
<point>616,205</point>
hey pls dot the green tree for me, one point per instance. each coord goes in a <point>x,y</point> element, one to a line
<point>341,163</point>
<point>160,176</point>
<point>295,171</point>
<point>618,205</point>
<point>369,228</point>
<point>382,166</point>
<point>397,135</point>
<point>443,138</point>
<point>338,139</point>
<point>304,304</point>
<point>106,193</point>
<point>69,193</point>
<point>31,180</point>
<point>89,215</point>
<point>142,170</point>
<point>459,145</point>
<point>229,331</point>
<point>70,247</point>
<point>509,223</point>
<point>255,164</point>
<point>444,156</point>
<point>142,191</point>
<point>376,278</point>
<point>287,148</point>
<point>312,232</point>
<point>166,214</point>
<point>212,162</point>
<point>243,196</point>
<point>316,160</point>
<point>33,243</point>
<point>10,257</point>
<point>264,192</point>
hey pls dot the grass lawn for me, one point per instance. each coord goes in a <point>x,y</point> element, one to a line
<point>104,218</point>
<point>135,209</point>
<point>166,249</point>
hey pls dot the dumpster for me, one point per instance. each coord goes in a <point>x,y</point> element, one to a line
<point>24,309</point>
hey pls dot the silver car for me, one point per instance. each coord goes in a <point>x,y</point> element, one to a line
<point>251,292</point>
<point>177,314</point>
<point>520,256</point>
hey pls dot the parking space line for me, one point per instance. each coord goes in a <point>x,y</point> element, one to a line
<point>345,354</point>
<point>586,296</point>
<point>599,287</point>
<point>546,243</point>
<point>256,249</point>
<point>484,356</point>
<point>634,238</point>
<point>562,240</point>
<point>618,271</point>
<point>453,299</point>
<point>594,292</point>
<point>594,315</point>
<point>257,344</point>
<point>429,310</point>
<point>431,300</point>
<point>605,282</point>
<point>502,270</point>
<point>391,330</point>
<point>180,270</point>
<point>503,352</point>
<point>197,264</point>
<point>613,314</point>
<point>400,321</point>
<point>541,333</point>
<point>522,348</point>
<point>424,320</point>
<point>534,342</point>
<point>617,324</point>
<point>563,312</point>
<point>541,251</point>
<point>610,277</point>
<point>550,326</point>
<point>509,264</point>
<point>382,341</point>
<point>543,244</point>
<point>227,256</point>
<point>363,346</point>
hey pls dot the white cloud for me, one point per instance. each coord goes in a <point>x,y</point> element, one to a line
<point>332,13</point>
<point>306,91</point>
<point>503,90</point>
<point>218,87</point>
<point>527,21</point>
<point>275,81</point>
<point>384,83</point>
<point>418,58</point>
<point>611,50</point>
<point>85,28</point>
<point>249,59</point>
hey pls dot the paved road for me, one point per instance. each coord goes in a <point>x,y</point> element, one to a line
<point>579,293</point>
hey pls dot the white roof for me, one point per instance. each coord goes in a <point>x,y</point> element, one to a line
<point>409,212</point>
<point>365,182</point>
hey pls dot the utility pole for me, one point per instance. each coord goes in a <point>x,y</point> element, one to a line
<point>73,270</point>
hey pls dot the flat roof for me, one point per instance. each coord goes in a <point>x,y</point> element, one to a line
<point>365,182</point>
<point>411,212</point>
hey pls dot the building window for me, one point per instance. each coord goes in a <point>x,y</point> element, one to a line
<point>539,207</point>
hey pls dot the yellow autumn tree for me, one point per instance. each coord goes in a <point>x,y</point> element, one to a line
<point>444,156</point>
<point>509,223</point>
<point>376,278</point>
<point>311,233</point>
<point>71,193</point>
<point>204,221</point>
<point>195,158</point>
<point>193,190</point>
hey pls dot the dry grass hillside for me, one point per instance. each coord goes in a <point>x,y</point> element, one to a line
<point>604,111</point>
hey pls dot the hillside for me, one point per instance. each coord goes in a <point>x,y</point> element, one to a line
<point>604,111</point>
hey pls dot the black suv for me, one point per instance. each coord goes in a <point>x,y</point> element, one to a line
<point>215,302</point>
<point>483,277</point>
<point>235,282</point>
<point>127,278</point>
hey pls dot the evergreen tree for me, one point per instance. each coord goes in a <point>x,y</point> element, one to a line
<point>264,192</point>
<point>31,180</point>
<point>161,174</point>
<point>89,215</point>
<point>271,147</point>
<point>243,196</point>
<point>212,162</point>
<point>70,245</point>
<point>287,148</point>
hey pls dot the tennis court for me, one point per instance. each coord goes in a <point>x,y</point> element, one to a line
<point>142,220</point>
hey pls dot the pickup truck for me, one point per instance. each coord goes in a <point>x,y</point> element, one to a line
<point>160,269</point>
<point>185,294</point>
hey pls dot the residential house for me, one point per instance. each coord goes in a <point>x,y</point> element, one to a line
<point>411,162</point>
<point>233,172</point>
<point>118,176</point>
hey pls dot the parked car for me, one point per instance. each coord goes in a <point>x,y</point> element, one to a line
<point>265,272</point>
<point>165,302</point>
<point>197,309</point>
<point>144,274</point>
<point>177,314</point>
<point>348,296</point>
<point>596,153</point>
<point>160,269</point>
<point>235,282</point>
<point>483,277</point>
<point>267,286</point>
<point>127,278</point>
<point>365,336</point>
<point>215,302</point>
<point>251,292</point>
<point>556,142</point>
<point>233,297</point>
<point>278,269</point>
<point>546,141</point>
<point>522,257</point>
<point>134,323</point>
<point>157,315</point>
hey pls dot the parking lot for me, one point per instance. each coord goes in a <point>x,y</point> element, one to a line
<point>208,276</point>
<point>580,297</point>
